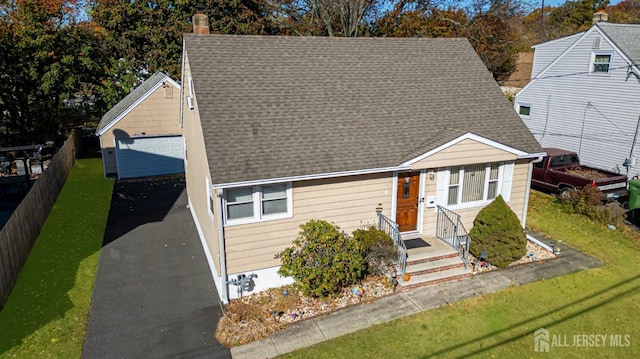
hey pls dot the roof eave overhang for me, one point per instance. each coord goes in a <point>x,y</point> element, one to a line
<point>310,177</point>
<point>124,113</point>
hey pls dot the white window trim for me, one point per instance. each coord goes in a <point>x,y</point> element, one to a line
<point>592,63</point>
<point>210,198</point>
<point>257,208</point>
<point>480,203</point>
<point>524,105</point>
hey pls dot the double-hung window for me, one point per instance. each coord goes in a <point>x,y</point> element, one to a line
<point>601,63</point>
<point>473,183</point>
<point>257,203</point>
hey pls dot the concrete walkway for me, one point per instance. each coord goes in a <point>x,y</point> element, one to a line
<point>154,296</point>
<point>351,319</point>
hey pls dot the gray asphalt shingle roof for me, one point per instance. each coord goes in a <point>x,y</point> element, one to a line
<point>130,99</point>
<point>274,107</point>
<point>626,37</point>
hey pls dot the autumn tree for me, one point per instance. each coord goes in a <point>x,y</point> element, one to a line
<point>48,61</point>
<point>324,17</point>
<point>490,27</point>
<point>422,19</point>
<point>493,32</point>
<point>625,12</point>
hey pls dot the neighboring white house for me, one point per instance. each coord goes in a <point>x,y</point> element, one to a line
<point>584,96</point>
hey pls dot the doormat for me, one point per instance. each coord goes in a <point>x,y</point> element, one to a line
<point>416,243</point>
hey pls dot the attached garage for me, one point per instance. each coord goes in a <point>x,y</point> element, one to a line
<point>141,135</point>
<point>149,156</point>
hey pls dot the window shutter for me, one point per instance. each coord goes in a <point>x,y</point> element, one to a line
<point>442,187</point>
<point>507,179</point>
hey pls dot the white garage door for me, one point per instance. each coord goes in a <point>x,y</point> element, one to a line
<point>149,156</point>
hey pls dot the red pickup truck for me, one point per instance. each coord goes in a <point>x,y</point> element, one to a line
<point>560,171</point>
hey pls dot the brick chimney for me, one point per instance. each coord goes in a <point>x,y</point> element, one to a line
<point>200,21</point>
<point>599,16</point>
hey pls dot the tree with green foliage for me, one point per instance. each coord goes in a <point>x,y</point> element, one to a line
<point>572,17</point>
<point>48,61</point>
<point>497,231</point>
<point>323,259</point>
<point>143,37</point>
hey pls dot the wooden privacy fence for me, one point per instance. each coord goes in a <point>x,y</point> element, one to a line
<point>21,231</point>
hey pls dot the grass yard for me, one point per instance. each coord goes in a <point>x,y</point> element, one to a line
<point>46,313</point>
<point>602,301</point>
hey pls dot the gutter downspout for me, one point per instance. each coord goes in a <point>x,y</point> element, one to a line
<point>181,124</point>
<point>222,256</point>
<point>525,209</point>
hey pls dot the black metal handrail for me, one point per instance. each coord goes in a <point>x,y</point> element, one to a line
<point>449,228</point>
<point>392,229</point>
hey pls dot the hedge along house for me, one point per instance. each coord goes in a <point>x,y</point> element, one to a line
<point>281,130</point>
<point>141,135</point>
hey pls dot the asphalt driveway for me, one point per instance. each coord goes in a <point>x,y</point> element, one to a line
<point>154,296</point>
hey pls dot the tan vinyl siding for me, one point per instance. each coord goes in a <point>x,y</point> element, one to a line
<point>155,115</point>
<point>196,172</point>
<point>465,152</point>
<point>350,202</point>
<point>519,187</point>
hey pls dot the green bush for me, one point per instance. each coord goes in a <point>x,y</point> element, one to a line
<point>380,252</point>
<point>497,230</point>
<point>323,259</point>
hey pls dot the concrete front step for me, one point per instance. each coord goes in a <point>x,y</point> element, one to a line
<point>433,265</point>
<point>414,259</point>
<point>434,278</point>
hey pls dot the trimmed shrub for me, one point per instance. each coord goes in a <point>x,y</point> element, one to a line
<point>323,259</point>
<point>379,250</point>
<point>497,230</point>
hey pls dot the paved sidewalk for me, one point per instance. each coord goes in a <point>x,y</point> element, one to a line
<point>351,319</point>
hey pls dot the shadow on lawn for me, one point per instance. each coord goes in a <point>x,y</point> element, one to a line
<point>49,279</point>
<point>604,296</point>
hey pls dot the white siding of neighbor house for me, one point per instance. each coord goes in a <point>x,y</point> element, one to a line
<point>548,51</point>
<point>592,114</point>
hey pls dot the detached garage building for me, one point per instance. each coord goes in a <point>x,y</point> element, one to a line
<point>141,135</point>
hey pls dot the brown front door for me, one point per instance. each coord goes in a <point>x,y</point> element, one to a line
<point>407,204</point>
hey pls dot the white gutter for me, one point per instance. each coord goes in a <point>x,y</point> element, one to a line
<point>181,87</point>
<point>525,210</point>
<point>224,295</point>
<point>537,156</point>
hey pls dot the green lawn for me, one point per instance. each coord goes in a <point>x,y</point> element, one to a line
<point>46,314</point>
<point>603,301</point>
